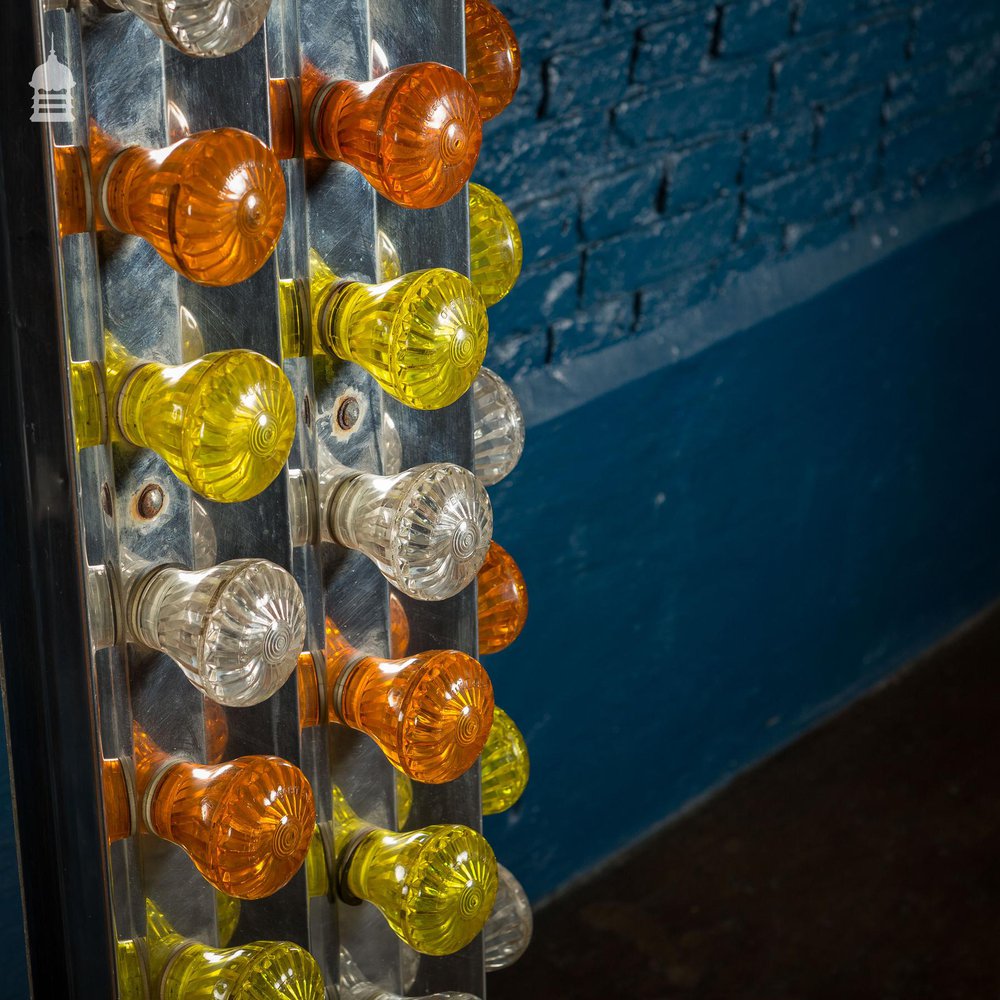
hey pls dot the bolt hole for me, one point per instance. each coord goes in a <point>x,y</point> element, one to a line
<point>106,505</point>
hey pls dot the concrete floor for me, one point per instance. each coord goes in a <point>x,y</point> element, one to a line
<point>861,862</point>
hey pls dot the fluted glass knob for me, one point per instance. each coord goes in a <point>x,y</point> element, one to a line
<point>498,431</point>
<point>131,962</point>
<point>507,933</point>
<point>503,601</point>
<point>505,765</point>
<point>200,27</point>
<point>427,529</point>
<point>236,630</point>
<point>264,970</point>
<point>354,985</point>
<point>430,714</point>
<point>496,249</point>
<point>245,824</point>
<point>211,205</point>
<point>415,133</point>
<point>119,800</point>
<point>422,337</point>
<point>492,57</point>
<point>224,423</point>
<point>434,886</point>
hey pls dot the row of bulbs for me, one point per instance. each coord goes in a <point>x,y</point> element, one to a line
<point>212,206</point>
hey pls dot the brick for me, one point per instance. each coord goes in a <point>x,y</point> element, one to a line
<point>548,227</point>
<point>820,15</point>
<point>778,148</point>
<point>646,257</point>
<point>634,13</point>
<point>917,93</point>
<point>600,326</point>
<point>703,173</point>
<point>542,294</point>
<point>673,48</point>
<point>545,26</point>
<point>659,305</point>
<point>588,76</point>
<point>754,26</point>
<point>515,354</point>
<point>724,100</point>
<point>852,122</point>
<point>838,64</point>
<point>623,201</point>
<point>821,233</point>
<point>946,22</point>
<point>974,67</point>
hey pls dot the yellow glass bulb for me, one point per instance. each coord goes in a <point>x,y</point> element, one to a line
<point>133,972</point>
<point>404,800</point>
<point>264,970</point>
<point>227,916</point>
<point>496,249</point>
<point>505,765</point>
<point>434,886</point>
<point>224,423</point>
<point>422,337</point>
<point>89,406</point>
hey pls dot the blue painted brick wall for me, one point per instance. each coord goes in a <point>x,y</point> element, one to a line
<point>656,145</point>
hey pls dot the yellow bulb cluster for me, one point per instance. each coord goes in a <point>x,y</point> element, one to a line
<point>495,243</point>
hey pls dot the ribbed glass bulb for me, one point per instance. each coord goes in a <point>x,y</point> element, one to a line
<point>236,630</point>
<point>496,249</point>
<point>227,916</point>
<point>200,27</point>
<point>414,133</point>
<point>404,800</point>
<point>133,972</point>
<point>502,600</point>
<point>434,886</point>
<point>505,765</point>
<point>507,933</point>
<point>430,714</point>
<point>224,423</point>
<point>119,817</point>
<point>264,970</point>
<point>211,205</point>
<point>354,985</point>
<point>492,57</point>
<point>427,529</point>
<point>245,824</point>
<point>422,337</point>
<point>498,430</point>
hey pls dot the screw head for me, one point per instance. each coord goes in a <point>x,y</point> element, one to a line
<point>348,413</point>
<point>150,501</point>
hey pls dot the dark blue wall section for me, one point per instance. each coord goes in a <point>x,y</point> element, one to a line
<point>730,547</point>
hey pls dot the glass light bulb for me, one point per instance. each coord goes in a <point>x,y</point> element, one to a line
<point>354,985</point>
<point>502,599</point>
<point>133,972</point>
<point>245,824</point>
<point>430,714</point>
<point>211,205</point>
<point>507,933</point>
<point>119,807</point>
<point>404,800</point>
<point>427,529</point>
<point>227,916</point>
<point>422,337</point>
<point>224,423</point>
<point>414,133</point>
<point>434,886</point>
<point>89,404</point>
<point>492,57</point>
<point>505,765</point>
<point>498,432</point>
<point>496,249</point>
<point>236,630</point>
<point>200,27</point>
<point>399,627</point>
<point>264,970</point>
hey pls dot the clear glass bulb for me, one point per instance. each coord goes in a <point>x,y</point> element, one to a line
<point>502,601</point>
<point>200,27</point>
<point>507,933</point>
<point>498,432</point>
<point>414,133</point>
<point>427,529</point>
<point>492,57</point>
<point>430,714</point>
<point>495,245</point>
<point>505,765</point>
<point>245,824</point>
<point>434,886</point>
<point>224,423</point>
<point>264,970</point>
<point>236,630</point>
<point>354,985</point>
<point>422,337</point>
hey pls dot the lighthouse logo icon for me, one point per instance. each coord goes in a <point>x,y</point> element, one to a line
<point>53,85</point>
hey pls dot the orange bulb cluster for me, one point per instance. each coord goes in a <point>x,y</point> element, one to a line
<point>414,133</point>
<point>492,57</point>
<point>246,824</point>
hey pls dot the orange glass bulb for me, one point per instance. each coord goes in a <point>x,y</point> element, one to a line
<point>503,601</point>
<point>246,824</point>
<point>430,714</point>
<point>119,816</point>
<point>492,57</point>
<point>415,133</point>
<point>211,205</point>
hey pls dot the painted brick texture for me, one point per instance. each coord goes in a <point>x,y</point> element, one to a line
<point>656,146</point>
